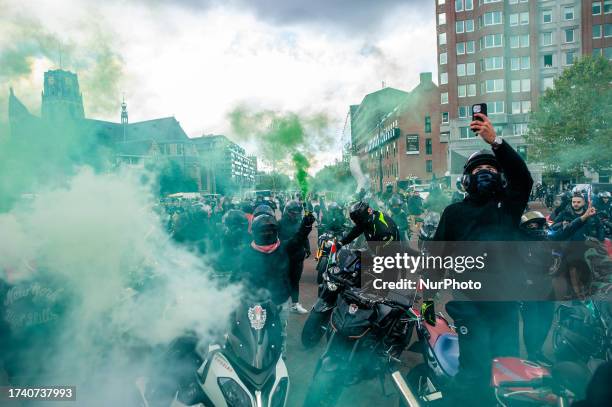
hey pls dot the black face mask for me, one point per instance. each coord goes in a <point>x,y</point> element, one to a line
<point>484,184</point>
<point>265,237</point>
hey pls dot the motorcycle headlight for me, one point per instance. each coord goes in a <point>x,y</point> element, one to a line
<point>278,398</point>
<point>235,396</point>
<point>332,286</point>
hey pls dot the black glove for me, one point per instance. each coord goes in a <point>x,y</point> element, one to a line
<point>308,220</point>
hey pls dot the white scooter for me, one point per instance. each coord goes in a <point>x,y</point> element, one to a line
<point>246,371</point>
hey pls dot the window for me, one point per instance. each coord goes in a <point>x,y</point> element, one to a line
<point>524,18</point>
<point>521,41</point>
<point>569,35</point>
<point>464,112</point>
<point>443,78</point>
<point>596,8</point>
<point>548,61</point>
<point>516,107</point>
<point>597,51</point>
<point>514,19</point>
<point>526,106</point>
<point>442,38</point>
<point>526,85</point>
<point>491,41</point>
<point>460,48</point>
<point>515,63</point>
<point>524,39</point>
<point>441,18</point>
<point>607,52</point>
<point>441,2</point>
<point>444,98</point>
<point>547,82</point>
<point>597,31</point>
<point>459,27</point>
<point>546,16</point>
<point>443,58</point>
<point>428,146</point>
<point>471,89</point>
<point>460,69</point>
<point>568,13</point>
<point>493,63</point>
<point>428,166</point>
<point>494,85</point>
<point>515,85</point>
<point>607,6</point>
<point>469,26</point>
<point>514,41</point>
<point>466,132</point>
<point>458,5</point>
<point>461,91</point>
<point>444,117</point>
<point>569,57</point>
<point>471,68</point>
<point>547,38</point>
<point>495,107</point>
<point>492,18</point>
<point>427,124</point>
<point>607,30</point>
<point>470,47</point>
<point>520,128</point>
<point>525,62</point>
<point>469,4</point>
<point>491,1</point>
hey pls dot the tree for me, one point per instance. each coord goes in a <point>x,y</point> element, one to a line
<point>337,178</point>
<point>173,179</point>
<point>273,181</point>
<point>570,130</point>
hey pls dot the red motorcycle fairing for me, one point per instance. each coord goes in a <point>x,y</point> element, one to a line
<point>444,344</point>
<point>517,369</point>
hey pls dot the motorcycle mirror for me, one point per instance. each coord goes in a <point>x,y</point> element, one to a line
<point>428,312</point>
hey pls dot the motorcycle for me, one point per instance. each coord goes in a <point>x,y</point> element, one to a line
<point>367,336</point>
<point>428,228</point>
<point>343,270</point>
<point>515,381</point>
<point>325,243</point>
<point>247,370</point>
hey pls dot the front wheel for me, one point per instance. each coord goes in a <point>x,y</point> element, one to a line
<point>313,328</point>
<point>325,389</point>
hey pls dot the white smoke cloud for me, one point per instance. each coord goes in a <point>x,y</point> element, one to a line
<point>126,285</point>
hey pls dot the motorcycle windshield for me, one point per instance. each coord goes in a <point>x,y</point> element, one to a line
<point>255,336</point>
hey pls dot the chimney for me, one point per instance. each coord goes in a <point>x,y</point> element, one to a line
<point>425,78</point>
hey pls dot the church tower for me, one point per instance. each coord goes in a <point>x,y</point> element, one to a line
<point>62,98</point>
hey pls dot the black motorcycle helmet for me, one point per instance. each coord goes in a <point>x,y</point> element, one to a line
<point>235,220</point>
<point>265,230</point>
<point>359,212</point>
<point>263,210</point>
<point>470,181</point>
<point>533,224</point>
<point>293,210</point>
<point>247,206</point>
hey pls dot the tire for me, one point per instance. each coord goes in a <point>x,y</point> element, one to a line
<point>313,328</point>
<point>324,390</point>
<point>321,268</point>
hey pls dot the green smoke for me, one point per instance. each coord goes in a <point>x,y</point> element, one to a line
<point>286,139</point>
<point>301,172</point>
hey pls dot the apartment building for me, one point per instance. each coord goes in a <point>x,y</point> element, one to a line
<point>506,53</point>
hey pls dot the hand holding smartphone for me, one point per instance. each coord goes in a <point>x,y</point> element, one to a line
<point>479,108</point>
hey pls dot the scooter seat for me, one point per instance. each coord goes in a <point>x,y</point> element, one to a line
<point>446,350</point>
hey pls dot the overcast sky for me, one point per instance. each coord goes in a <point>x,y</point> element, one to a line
<point>197,60</point>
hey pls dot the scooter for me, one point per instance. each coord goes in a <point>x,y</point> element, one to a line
<point>247,370</point>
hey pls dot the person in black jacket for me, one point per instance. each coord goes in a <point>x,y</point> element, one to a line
<point>590,226</point>
<point>498,184</point>
<point>289,226</point>
<point>375,225</point>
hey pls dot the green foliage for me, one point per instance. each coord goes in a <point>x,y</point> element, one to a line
<point>571,127</point>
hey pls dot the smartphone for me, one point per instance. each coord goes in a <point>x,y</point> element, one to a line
<point>479,108</point>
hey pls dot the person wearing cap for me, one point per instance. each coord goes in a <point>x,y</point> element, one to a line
<point>498,184</point>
